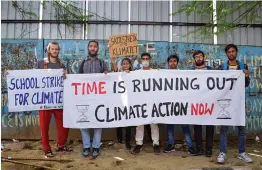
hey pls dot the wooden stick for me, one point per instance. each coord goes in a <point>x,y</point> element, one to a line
<point>39,159</point>
<point>27,164</point>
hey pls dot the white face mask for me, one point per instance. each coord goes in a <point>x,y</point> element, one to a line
<point>145,63</point>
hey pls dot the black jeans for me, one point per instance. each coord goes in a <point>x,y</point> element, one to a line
<point>120,137</point>
<point>198,136</point>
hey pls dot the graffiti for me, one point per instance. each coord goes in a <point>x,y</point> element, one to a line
<point>22,119</point>
<point>23,54</point>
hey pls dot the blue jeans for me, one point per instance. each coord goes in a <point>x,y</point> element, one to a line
<point>86,138</point>
<point>241,139</point>
<point>187,133</point>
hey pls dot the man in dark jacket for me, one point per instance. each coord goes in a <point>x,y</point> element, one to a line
<point>199,58</point>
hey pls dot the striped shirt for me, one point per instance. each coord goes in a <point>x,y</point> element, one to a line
<point>93,66</point>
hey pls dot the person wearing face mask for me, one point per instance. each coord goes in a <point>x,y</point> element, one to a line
<point>92,64</point>
<point>199,59</point>
<point>145,60</point>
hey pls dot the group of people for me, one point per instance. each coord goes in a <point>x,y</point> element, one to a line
<point>92,64</point>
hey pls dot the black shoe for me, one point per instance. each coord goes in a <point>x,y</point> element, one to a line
<point>95,153</point>
<point>199,152</point>
<point>128,146</point>
<point>86,152</point>
<point>209,153</point>
<point>137,149</point>
<point>169,148</point>
<point>191,151</point>
<point>156,149</point>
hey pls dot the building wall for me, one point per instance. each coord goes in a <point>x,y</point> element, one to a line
<point>22,54</point>
<point>140,11</point>
<point>19,41</point>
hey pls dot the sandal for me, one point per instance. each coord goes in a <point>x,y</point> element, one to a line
<point>49,154</point>
<point>63,149</point>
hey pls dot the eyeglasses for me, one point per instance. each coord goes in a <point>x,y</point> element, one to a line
<point>145,59</point>
<point>198,57</point>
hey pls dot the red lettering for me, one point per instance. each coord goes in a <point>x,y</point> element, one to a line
<point>91,89</point>
<point>194,109</point>
<point>210,111</point>
<point>201,109</point>
<point>101,87</point>
<point>83,88</point>
<point>76,85</point>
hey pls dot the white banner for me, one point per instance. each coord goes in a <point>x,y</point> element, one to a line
<point>204,97</point>
<point>38,89</point>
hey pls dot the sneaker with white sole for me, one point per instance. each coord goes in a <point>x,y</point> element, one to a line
<point>243,156</point>
<point>221,157</point>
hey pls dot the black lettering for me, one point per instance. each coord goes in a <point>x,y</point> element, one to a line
<point>169,84</point>
<point>107,116</point>
<point>136,83</point>
<point>176,109</point>
<point>144,111</point>
<point>114,87</point>
<point>223,84</point>
<point>96,113</point>
<point>159,109</point>
<point>120,85</point>
<point>131,111</point>
<point>208,83</point>
<point>155,111</point>
<point>137,109</point>
<point>167,110</point>
<point>156,84</point>
<point>183,109</point>
<point>144,84</point>
<point>183,84</point>
<point>195,86</point>
<point>122,113</point>
<point>232,82</point>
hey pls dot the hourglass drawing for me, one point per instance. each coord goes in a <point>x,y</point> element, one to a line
<point>82,109</point>
<point>224,114</point>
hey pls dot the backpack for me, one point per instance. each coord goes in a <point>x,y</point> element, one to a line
<point>81,67</point>
<point>240,64</point>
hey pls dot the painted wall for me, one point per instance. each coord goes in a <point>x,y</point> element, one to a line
<point>23,54</point>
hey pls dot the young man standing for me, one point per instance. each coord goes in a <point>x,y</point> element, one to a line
<point>172,64</point>
<point>233,64</point>
<point>52,62</point>
<point>88,66</point>
<point>199,58</point>
<point>146,59</point>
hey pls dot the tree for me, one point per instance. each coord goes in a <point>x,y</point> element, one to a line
<point>67,12</point>
<point>241,11</point>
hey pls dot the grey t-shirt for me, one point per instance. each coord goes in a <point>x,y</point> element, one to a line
<point>40,65</point>
<point>93,66</point>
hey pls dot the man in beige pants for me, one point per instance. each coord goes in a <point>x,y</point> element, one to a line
<point>146,58</point>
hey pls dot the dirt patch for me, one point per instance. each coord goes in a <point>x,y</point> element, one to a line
<point>146,160</point>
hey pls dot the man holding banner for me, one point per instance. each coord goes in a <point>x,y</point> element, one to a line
<point>199,58</point>
<point>45,116</point>
<point>146,58</point>
<point>92,65</point>
<point>233,64</point>
<point>172,62</point>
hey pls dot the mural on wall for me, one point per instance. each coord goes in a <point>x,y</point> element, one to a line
<point>23,54</point>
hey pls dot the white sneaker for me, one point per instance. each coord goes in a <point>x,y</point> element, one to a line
<point>243,156</point>
<point>221,157</point>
